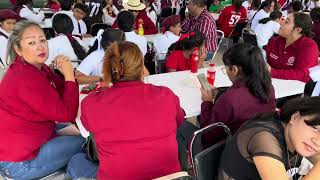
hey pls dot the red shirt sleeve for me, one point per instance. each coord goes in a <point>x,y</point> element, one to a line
<point>44,99</point>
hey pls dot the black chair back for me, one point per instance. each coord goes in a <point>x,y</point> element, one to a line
<point>206,163</point>
<point>97,26</point>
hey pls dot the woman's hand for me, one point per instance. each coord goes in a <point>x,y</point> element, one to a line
<point>203,56</point>
<point>63,64</point>
<point>208,95</point>
<point>268,67</point>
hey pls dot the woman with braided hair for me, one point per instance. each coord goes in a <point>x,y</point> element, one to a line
<point>127,128</point>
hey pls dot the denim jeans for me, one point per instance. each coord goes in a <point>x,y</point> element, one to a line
<point>80,167</point>
<point>53,155</point>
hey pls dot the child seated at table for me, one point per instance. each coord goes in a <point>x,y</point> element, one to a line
<point>179,53</point>
<point>8,19</point>
<point>79,26</point>
<point>251,91</point>
<point>215,7</point>
<point>25,11</point>
<point>90,69</point>
<point>64,43</point>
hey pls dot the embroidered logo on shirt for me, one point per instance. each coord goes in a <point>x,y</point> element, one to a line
<point>291,61</point>
<point>274,56</point>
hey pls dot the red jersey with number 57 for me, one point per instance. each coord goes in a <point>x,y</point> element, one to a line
<point>229,18</point>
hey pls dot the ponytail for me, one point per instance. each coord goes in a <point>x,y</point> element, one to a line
<point>254,70</point>
<point>259,81</point>
<point>265,20</point>
<point>123,61</point>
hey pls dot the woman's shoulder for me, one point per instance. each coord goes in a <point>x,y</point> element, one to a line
<point>306,42</point>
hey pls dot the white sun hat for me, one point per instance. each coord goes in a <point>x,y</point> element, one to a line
<point>135,5</point>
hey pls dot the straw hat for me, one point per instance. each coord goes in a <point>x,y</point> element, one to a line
<point>135,5</point>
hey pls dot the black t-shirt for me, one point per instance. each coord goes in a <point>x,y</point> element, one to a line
<point>261,136</point>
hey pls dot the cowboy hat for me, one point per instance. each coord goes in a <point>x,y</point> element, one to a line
<point>135,5</point>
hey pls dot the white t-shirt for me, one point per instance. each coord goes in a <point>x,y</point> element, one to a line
<point>92,64</point>
<point>163,42</point>
<point>260,15</point>
<point>265,31</point>
<point>60,45</point>
<point>138,40</point>
<point>3,48</point>
<point>251,14</point>
<point>28,14</point>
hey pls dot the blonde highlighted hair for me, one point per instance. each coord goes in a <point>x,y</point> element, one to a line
<point>123,61</point>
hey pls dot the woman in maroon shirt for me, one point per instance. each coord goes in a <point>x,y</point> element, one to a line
<point>134,124</point>
<point>32,99</point>
<point>251,92</point>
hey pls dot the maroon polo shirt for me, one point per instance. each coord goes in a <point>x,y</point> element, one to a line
<point>134,125</point>
<point>233,108</point>
<point>294,61</point>
<point>31,102</point>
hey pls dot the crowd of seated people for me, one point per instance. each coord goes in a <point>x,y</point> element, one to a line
<point>134,124</point>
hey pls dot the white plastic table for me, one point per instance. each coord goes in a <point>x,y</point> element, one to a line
<point>187,87</point>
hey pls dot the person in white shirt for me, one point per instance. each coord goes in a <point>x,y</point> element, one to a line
<point>79,26</point>
<point>24,9</point>
<point>151,13</point>
<point>255,4</point>
<point>171,34</point>
<point>125,21</point>
<point>64,43</point>
<point>265,9</point>
<point>90,69</point>
<point>110,13</point>
<point>267,27</point>
<point>8,19</point>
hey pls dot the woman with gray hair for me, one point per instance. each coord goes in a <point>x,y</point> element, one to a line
<point>32,99</point>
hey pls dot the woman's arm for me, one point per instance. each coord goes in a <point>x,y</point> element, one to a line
<point>270,168</point>
<point>84,79</point>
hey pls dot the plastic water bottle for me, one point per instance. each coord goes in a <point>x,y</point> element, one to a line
<point>211,74</point>
<point>140,27</point>
<point>194,60</point>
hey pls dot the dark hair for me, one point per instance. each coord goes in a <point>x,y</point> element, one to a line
<point>200,3</point>
<point>265,4</point>
<point>315,14</point>
<point>296,5</point>
<point>125,21</point>
<point>304,22</point>
<point>237,4</point>
<point>253,67</point>
<point>20,3</point>
<point>82,7</point>
<point>256,3</point>
<point>62,23</point>
<point>305,106</point>
<point>66,5</point>
<point>273,16</point>
<point>108,36</point>
<point>196,40</point>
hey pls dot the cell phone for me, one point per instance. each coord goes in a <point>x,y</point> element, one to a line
<point>204,82</point>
